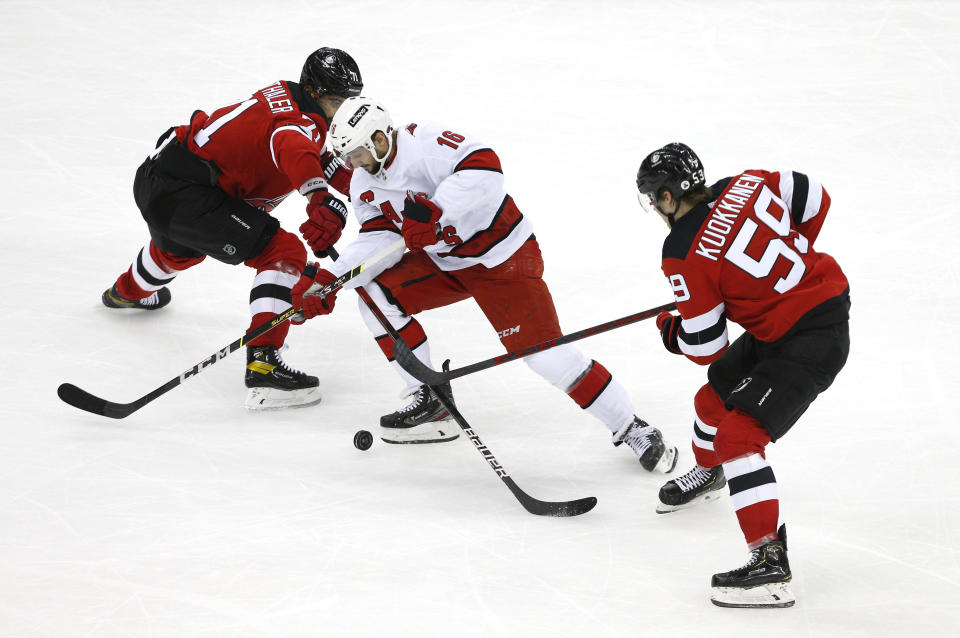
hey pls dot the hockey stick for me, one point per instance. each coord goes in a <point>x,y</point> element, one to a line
<point>409,361</point>
<point>80,398</point>
<point>532,505</point>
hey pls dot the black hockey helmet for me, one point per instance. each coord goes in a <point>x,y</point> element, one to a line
<point>674,167</point>
<point>329,70</point>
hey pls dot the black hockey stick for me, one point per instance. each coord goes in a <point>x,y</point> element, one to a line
<point>80,398</point>
<point>532,505</point>
<point>409,361</point>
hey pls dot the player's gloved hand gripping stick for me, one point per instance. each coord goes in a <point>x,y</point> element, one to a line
<point>79,398</point>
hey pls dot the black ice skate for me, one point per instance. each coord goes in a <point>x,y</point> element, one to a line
<point>273,384</point>
<point>648,444</point>
<point>112,299</point>
<point>762,582</point>
<point>422,420</point>
<point>699,485</point>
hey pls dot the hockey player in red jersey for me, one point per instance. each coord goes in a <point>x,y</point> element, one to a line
<point>443,191</point>
<point>742,249</point>
<point>208,189</point>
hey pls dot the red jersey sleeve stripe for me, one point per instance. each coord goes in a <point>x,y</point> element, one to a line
<point>506,219</point>
<point>484,160</point>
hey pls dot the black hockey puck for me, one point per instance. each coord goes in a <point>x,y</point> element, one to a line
<point>362,440</point>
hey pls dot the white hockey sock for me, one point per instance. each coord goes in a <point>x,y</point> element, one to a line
<point>409,329</point>
<point>587,382</point>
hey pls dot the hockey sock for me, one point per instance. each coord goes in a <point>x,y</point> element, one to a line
<point>270,296</point>
<point>150,271</point>
<point>603,397</point>
<point>587,382</point>
<point>279,266</point>
<point>739,443</point>
<point>407,327</point>
<point>710,412</point>
<point>753,489</point>
<point>414,336</point>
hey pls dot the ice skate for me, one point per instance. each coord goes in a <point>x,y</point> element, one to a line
<point>273,384</point>
<point>762,582</point>
<point>112,299</point>
<point>422,420</point>
<point>654,453</point>
<point>699,485</point>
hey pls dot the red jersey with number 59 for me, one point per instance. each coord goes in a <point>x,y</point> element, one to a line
<point>266,146</point>
<point>748,256</point>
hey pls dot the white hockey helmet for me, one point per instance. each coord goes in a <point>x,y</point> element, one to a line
<point>354,125</point>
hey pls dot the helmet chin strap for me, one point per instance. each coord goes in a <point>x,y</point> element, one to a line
<point>381,161</point>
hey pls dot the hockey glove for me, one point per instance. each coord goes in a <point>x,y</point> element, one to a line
<point>420,221</point>
<point>296,293</point>
<point>336,172</point>
<point>669,326</point>
<point>326,217</point>
<point>314,305</point>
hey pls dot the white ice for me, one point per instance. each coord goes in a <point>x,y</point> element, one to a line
<point>194,518</point>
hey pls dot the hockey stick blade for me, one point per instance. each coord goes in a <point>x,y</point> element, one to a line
<point>533,505</point>
<point>83,400</point>
<point>551,508</point>
<point>409,361</point>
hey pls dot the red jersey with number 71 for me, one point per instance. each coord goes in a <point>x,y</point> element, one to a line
<point>748,257</point>
<point>266,146</point>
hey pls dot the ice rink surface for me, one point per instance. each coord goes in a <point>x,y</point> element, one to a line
<point>195,518</point>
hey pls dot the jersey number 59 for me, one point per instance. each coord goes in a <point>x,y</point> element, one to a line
<point>767,207</point>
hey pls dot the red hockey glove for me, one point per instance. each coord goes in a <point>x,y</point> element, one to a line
<point>669,326</point>
<point>314,305</point>
<point>326,217</point>
<point>336,172</point>
<point>296,293</point>
<point>420,217</point>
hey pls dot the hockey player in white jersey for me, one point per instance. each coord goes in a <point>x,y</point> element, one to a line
<point>443,191</point>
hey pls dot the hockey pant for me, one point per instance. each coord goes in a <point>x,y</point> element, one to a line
<point>516,302</point>
<point>190,218</point>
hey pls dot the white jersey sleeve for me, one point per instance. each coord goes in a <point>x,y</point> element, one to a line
<point>480,223</point>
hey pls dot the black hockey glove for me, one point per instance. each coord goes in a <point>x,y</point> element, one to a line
<point>669,326</point>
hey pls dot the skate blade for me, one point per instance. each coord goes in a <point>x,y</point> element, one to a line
<point>432,432</point>
<point>773,595</point>
<point>668,461</point>
<point>663,508</point>
<point>265,399</point>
